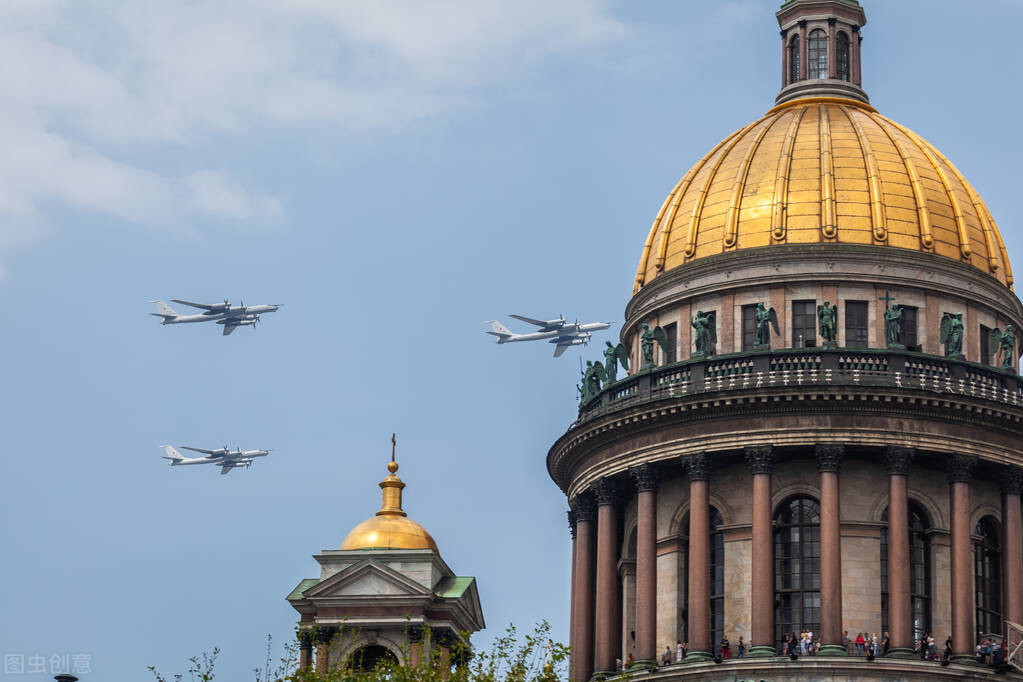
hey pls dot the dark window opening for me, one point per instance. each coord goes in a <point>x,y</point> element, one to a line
<point>749,326</point>
<point>985,349</point>
<point>794,59</point>
<point>987,557</point>
<point>804,324</point>
<point>369,658</point>
<point>817,54</point>
<point>842,52</point>
<point>671,336</point>
<point>919,572</point>
<point>908,336</point>
<point>855,324</point>
<point>797,567</point>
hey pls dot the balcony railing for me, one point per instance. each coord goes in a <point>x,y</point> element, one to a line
<point>790,368</point>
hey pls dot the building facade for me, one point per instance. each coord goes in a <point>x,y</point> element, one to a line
<point>820,430</point>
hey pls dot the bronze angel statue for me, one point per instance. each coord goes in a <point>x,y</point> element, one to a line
<point>705,335</point>
<point>951,334</point>
<point>827,321</point>
<point>1003,342</point>
<point>767,319</point>
<point>646,341</point>
<point>612,356</point>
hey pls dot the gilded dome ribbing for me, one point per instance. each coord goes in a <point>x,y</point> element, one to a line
<point>823,170</point>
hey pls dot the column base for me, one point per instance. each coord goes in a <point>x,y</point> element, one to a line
<point>601,675</point>
<point>901,652</point>
<point>698,657</point>
<point>833,650</point>
<point>643,664</point>
<point>964,659</point>
<point>761,651</point>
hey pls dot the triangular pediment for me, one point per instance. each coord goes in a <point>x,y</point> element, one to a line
<point>367,579</point>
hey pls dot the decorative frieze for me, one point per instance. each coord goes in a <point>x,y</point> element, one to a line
<point>760,458</point>
<point>645,477</point>
<point>697,466</point>
<point>960,468</point>
<point>897,459</point>
<point>829,457</point>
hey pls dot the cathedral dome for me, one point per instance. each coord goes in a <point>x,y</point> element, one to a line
<point>823,170</point>
<point>390,528</point>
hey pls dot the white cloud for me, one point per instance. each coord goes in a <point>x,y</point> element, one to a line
<point>94,94</point>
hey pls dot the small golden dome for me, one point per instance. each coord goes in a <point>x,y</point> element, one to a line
<point>823,170</point>
<point>390,528</point>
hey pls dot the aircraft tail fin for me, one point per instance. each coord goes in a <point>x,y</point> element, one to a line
<point>173,455</point>
<point>165,311</point>
<point>500,331</point>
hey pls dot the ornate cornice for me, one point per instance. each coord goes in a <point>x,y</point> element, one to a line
<point>645,477</point>
<point>960,468</point>
<point>584,507</point>
<point>760,458</point>
<point>697,466</point>
<point>607,491</point>
<point>897,459</point>
<point>829,457</point>
<point>1011,480</point>
<point>571,523</point>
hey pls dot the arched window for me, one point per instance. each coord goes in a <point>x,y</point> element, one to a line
<point>987,557</point>
<point>797,567</point>
<point>794,59</point>
<point>919,571</point>
<point>368,658</point>
<point>842,51</point>
<point>717,577</point>
<point>817,54</point>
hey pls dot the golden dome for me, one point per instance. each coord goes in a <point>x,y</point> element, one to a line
<point>390,528</point>
<point>823,170</point>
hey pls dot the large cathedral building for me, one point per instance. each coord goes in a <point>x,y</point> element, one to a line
<point>820,427</point>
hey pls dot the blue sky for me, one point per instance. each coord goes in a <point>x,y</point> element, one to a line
<point>394,173</point>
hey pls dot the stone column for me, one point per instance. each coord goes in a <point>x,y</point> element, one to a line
<point>960,470</point>
<point>761,642</point>
<point>645,478</point>
<point>1012,552</point>
<point>572,597</point>
<point>607,577</point>
<point>804,68</point>
<point>305,649</point>
<point>829,462</point>
<point>323,637</point>
<point>415,646</point>
<point>832,49</point>
<point>899,608</point>
<point>581,664</point>
<point>854,57</point>
<point>698,626</point>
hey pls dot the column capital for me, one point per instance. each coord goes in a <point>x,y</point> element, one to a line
<point>760,458</point>
<point>645,477</point>
<point>607,491</point>
<point>960,468</point>
<point>897,459</point>
<point>324,633</point>
<point>584,507</point>
<point>571,523</point>
<point>829,457</point>
<point>1012,480</point>
<point>697,466</point>
<point>305,638</point>
<point>416,634</point>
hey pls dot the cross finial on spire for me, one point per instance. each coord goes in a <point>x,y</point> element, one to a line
<point>394,445</point>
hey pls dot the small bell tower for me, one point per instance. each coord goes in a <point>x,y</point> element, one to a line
<point>821,49</point>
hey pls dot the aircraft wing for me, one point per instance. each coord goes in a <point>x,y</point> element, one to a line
<point>226,468</point>
<point>205,452</point>
<point>560,349</point>
<point>204,306</point>
<point>530,320</point>
<point>228,328</point>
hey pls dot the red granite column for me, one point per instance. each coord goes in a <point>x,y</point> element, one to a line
<point>323,637</point>
<point>960,469</point>
<point>899,608</point>
<point>305,649</point>
<point>832,49</point>
<point>854,57</point>
<point>572,597</point>
<point>607,577</point>
<point>582,636</point>
<point>761,641</point>
<point>803,66</point>
<point>1012,554</point>
<point>646,564</point>
<point>829,461</point>
<point>785,67</point>
<point>698,625</point>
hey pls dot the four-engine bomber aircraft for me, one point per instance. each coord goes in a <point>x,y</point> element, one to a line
<point>227,459</point>
<point>223,313</point>
<point>558,331</point>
